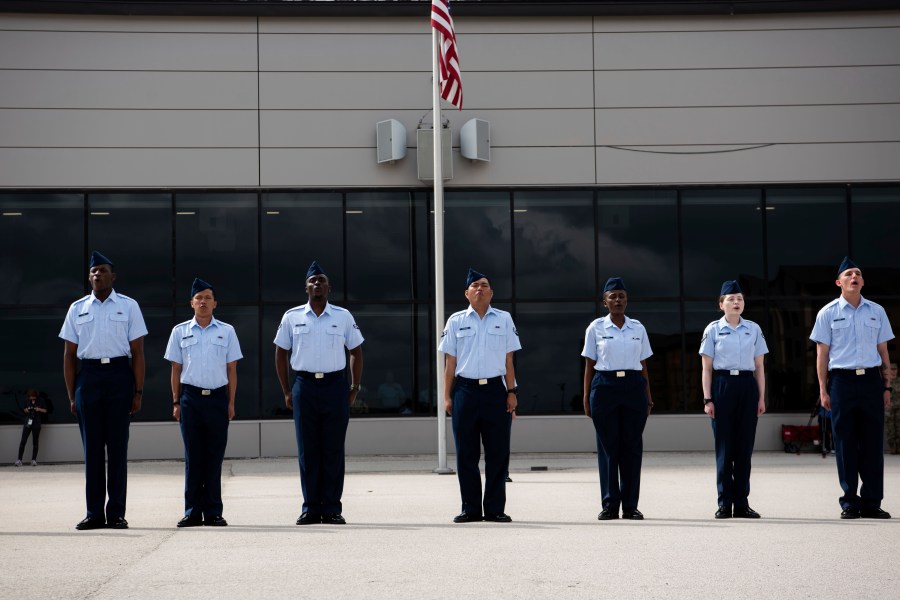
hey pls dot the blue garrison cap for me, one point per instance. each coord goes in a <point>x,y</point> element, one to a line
<point>730,287</point>
<point>474,275</point>
<point>199,285</point>
<point>846,264</point>
<point>614,283</point>
<point>314,269</point>
<point>98,259</point>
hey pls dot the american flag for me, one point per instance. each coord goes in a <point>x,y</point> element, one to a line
<point>451,82</point>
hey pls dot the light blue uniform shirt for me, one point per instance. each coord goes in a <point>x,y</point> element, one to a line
<point>103,329</point>
<point>203,353</point>
<point>317,343</point>
<point>733,348</point>
<point>480,345</point>
<point>852,335</point>
<point>616,349</point>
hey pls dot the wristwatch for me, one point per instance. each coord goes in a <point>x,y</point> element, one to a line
<point>514,390</point>
<point>354,386</point>
<point>706,401</point>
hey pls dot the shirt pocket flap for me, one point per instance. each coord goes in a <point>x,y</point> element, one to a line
<point>874,323</point>
<point>301,328</point>
<point>497,330</point>
<point>219,340</point>
<point>85,318</point>
<point>187,342</point>
<point>118,316</point>
<point>840,324</point>
<point>466,332</point>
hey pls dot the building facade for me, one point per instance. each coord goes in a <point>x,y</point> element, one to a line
<point>674,151</point>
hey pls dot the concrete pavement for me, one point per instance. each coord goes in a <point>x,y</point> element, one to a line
<point>400,541</point>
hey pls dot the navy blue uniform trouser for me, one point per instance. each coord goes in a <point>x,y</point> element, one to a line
<point>321,415</point>
<point>103,395</point>
<point>204,429</point>
<point>736,399</point>
<point>619,411</point>
<point>479,417</point>
<point>857,421</point>
<point>35,432</point>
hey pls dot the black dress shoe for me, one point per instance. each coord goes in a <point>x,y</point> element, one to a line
<point>216,521</point>
<point>874,513</point>
<point>850,513</point>
<point>724,512</point>
<point>498,518</point>
<point>309,519</point>
<point>467,518</point>
<point>334,519</point>
<point>91,523</point>
<point>608,514</point>
<point>189,521</point>
<point>117,523</point>
<point>745,513</point>
<point>633,514</point>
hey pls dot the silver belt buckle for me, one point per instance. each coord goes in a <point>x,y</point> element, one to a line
<point>734,372</point>
<point>482,382</point>
<point>620,373</point>
<point>860,371</point>
<point>320,375</point>
<point>104,361</point>
<point>205,392</point>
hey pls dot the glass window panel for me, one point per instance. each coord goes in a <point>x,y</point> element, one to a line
<point>387,383</point>
<point>807,237</point>
<point>42,258</point>
<point>477,235</point>
<point>422,252</point>
<point>296,230</point>
<point>549,368</point>
<point>876,213</point>
<point>721,240</point>
<point>34,361</point>
<point>378,246</point>
<point>272,400</point>
<point>791,381</point>
<point>216,239</point>
<point>135,232</point>
<point>157,398</point>
<point>554,245</point>
<point>638,241</point>
<point>424,328</point>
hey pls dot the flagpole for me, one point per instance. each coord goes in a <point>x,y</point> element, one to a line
<point>442,467</point>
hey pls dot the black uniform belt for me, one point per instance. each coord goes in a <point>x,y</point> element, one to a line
<point>483,381</point>
<point>621,373</point>
<point>116,360</point>
<point>205,392</point>
<point>733,373</point>
<point>320,376</point>
<point>868,371</point>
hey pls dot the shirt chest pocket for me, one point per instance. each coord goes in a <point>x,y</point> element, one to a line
<point>188,346</point>
<point>219,345</point>
<point>84,323</point>
<point>496,339</point>
<point>302,335</point>
<point>840,331</point>
<point>335,337</point>
<point>871,329</point>
<point>464,339</point>
<point>119,323</point>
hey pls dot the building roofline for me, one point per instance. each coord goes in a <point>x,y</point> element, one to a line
<point>400,8</point>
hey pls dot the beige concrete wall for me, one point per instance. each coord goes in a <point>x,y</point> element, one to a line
<point>232,102</point>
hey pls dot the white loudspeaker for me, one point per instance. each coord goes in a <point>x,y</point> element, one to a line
<point>425,154</point>
<point>475,140</point>
<point>390,140</point>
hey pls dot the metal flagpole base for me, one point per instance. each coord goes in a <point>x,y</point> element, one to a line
<point>443,471</point>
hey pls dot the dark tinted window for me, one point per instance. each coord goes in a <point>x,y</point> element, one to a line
<point>378,247</point>
<point>477,235</point>
<point>875,217</point>
<point>42,255</point>
<point>135,232</point>
<point>721,240</point>
<point>638,240</point>
<point>216,240</point>
<point>554,245</point>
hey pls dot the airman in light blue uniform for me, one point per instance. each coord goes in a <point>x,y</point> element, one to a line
<point>617,399</point>
<point>853,368</point>
<point>105,332</point>
<point>732,351</point>
<point>311,339</point>
<point>204,353</point>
